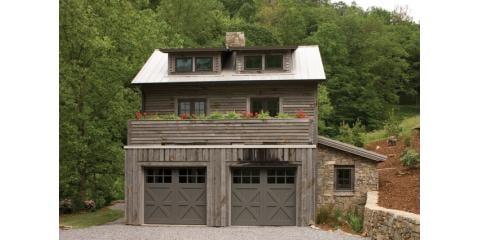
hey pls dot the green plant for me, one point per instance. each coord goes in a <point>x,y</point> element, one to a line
<point>354,221</point>
<point>263,115</point>
<point>324,215</point>
<point>410,158</point>
<point>169,117</point>
<point>392,124</point>
<point>354,135</point>
<point>201,117</point>
<point>215,116</point>
<point>284,116</point>
<point>232,115</point>
<point>407,140</point>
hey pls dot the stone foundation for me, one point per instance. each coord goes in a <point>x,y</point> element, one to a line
<point>381,223</point>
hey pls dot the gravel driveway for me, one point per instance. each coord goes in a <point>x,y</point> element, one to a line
<point>120,231</point>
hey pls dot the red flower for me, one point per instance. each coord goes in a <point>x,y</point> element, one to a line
<point>138,115</point>
<point>300,114</point>
<point>184,116</point>
<point>144,114</point>
<point>247,115</point>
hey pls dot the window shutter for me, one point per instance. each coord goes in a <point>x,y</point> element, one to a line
<point>286,61</point>
<point>217,64</point>
<point>171,64</point>
<point>239,63</point>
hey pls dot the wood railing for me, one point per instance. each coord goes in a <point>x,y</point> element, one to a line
<point>245,131</point>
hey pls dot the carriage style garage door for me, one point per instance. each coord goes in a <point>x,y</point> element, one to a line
<point>263,196</point>
<point>175,196</point>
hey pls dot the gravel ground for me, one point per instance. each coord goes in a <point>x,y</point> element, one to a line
<point>120,231</point>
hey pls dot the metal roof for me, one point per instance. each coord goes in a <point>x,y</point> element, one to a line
<point>174,50</point>
<point>306,65</point>
<point>351,149</point>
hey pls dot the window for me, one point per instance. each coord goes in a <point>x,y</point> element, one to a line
<point>281,176</point>
<point>274,61</point>
<point>183,64</point>
<point>246,175</point>
<point>253,62</point>
<point>160,175</point>
<point>269,105</point>
<point>190,175</point>
<point>344,178</point>
<point>203,64</point>
<point>192,107</point>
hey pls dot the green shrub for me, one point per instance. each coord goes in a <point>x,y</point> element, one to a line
<point>392,124</point>
<point>263,115</point>
<point>215,116</point>
<point>232,115</point>
<point>354,135</point>
<point>410,158</point>
<point>324,215</point>
<point>354,221</point>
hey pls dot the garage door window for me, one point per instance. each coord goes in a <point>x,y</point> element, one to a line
<point>246,176</point>
<point>191,175</point>
<point>281,176</point>
<point>160,175</point>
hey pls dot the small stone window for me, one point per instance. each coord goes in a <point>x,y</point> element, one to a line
<point>344,178</point>
<point>251,176</point>
<point>281,176</point>
<point>159,175</point>
<point>190,175</point>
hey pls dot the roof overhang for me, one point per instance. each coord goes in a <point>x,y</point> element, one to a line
<point>351,149</point>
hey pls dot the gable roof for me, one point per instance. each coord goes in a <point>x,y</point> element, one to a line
<point>307,65</point>
<point>351,149</point>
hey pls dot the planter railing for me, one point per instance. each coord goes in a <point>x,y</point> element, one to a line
<point>244,131</point>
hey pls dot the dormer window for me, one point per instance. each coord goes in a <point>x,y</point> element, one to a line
<point>273,61</point>
<point>183,64</point>
<point>253,62</point>
<point>264,62</point>
<point>203,64</point>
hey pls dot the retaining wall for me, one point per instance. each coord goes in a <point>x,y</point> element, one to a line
<point>381,223</point>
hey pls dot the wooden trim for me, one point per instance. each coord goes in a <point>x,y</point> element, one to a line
<point>156,146</point>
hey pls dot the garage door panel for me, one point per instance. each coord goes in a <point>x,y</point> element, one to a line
<point>175,196</point>
<point>270,201</point>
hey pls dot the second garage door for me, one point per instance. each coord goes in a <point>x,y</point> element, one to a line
<point>175,196</point>
<point>263,196</point>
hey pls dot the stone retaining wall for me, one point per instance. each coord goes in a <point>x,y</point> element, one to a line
<point>383,223</point>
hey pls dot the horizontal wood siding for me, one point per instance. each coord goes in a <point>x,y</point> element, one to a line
<point>218,162</point>
<point>275,131</point>
<point>225,97</point>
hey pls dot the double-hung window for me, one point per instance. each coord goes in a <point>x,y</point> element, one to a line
<point>270,105</point>
<point>192,106</point>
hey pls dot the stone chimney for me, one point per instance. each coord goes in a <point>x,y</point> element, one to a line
<point>234,39</point>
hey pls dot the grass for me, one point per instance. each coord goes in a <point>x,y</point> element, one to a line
<point>87,219</point>
<point>410,116</point>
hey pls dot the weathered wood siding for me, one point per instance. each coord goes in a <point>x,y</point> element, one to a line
<point>274,131</point>
<point>223,97</point>
<point>218,162</point>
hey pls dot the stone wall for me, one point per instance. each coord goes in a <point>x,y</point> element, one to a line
<point>381,223</point>
<point>366,179</point>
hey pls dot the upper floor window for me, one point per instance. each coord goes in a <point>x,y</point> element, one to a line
<point>270,105</point>
<point>344,178</point>
<point>253,62</point>
<point>273,61</point>
<point>183,64</point>
<point>203,64</point>
<point>192,107</point>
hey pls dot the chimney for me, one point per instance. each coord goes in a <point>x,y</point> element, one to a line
<point>234,39</point>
